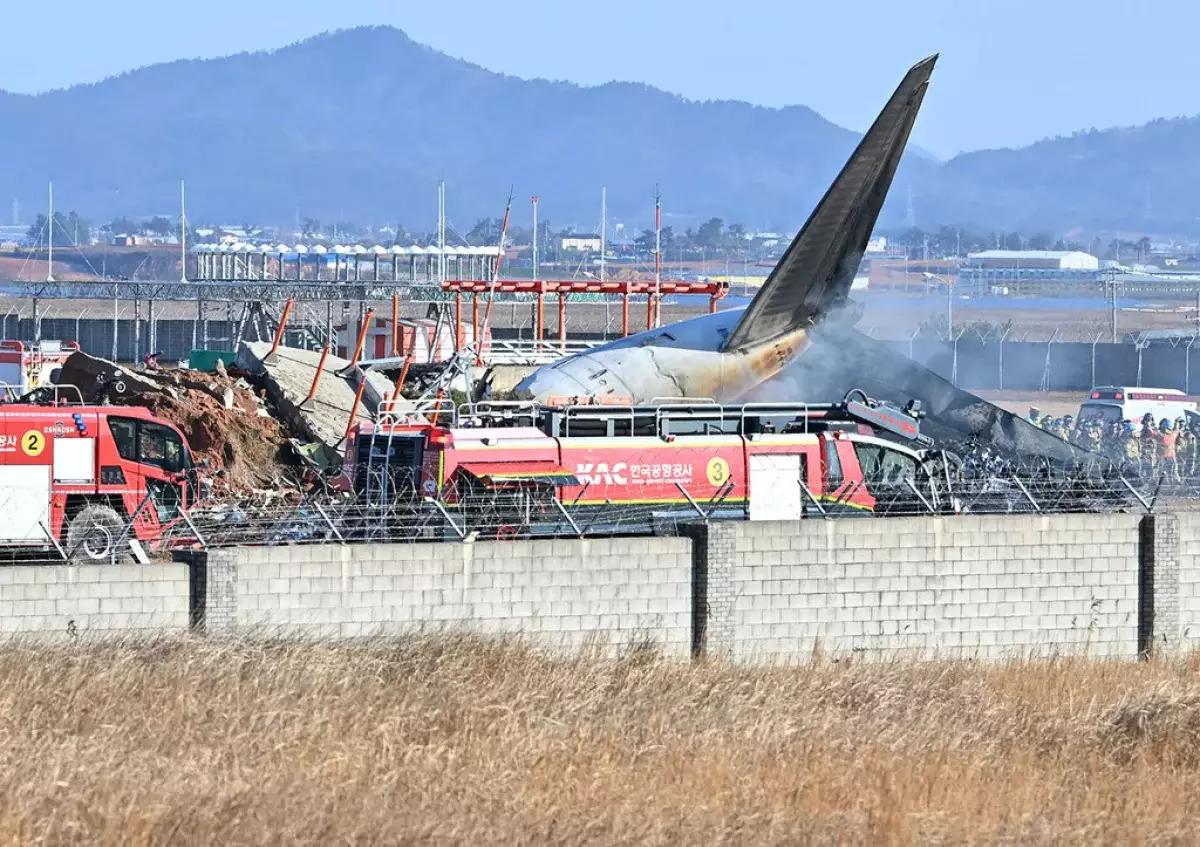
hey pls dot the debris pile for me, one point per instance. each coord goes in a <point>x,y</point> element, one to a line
<point>226,421</point>
<point>841,359</point>
<point>229,425</point>
<point>294,374</point>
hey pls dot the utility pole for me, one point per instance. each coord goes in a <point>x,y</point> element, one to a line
<point>441,232</point>
<point>949,309</point>
<point>1112,306</point>
<point>50,238</point>
<point>534,200</point>
<point>183,231</point>
<point>949,302</point>
<point>657,251</point>
<point>603,232</point>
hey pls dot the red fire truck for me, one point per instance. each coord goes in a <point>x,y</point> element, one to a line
<point>756,461</point>
<point>24,367</point>
<point>75,476</point>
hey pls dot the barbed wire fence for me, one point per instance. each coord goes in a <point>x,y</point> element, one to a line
<point>471,512</point>
<point>647,494</point>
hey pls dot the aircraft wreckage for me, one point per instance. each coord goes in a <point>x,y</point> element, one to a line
<point>797,337</point>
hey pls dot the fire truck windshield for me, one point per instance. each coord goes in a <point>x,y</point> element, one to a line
<point>161,447</point>
<point>149,443</point>
<point>884,466</point>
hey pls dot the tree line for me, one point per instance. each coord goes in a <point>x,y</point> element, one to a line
<point>951,242</point>
<point>73,228</point>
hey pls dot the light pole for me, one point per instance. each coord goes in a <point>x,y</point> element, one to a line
<point>534,200</point>
<point>949,301</point>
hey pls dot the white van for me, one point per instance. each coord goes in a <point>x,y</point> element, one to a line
<point>1131,403</point>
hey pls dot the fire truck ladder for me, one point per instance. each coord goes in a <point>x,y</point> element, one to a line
<point>377,488</point>
<point>389,490</point>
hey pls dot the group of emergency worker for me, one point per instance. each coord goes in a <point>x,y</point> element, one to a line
<point>1146,447</point>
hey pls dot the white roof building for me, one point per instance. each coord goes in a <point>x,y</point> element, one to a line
<point>1062,260</point>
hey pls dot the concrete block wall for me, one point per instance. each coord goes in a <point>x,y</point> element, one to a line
<point>1159,627</point>
<point>62,601</point>
<point>1189,579</point>
<point>564,592</point>
<point>986,586</point>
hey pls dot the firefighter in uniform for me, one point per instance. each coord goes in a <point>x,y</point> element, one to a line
<point>1193,448</point>
<point>1115,438</point>
<point>1149,447</point>
<point>1110,438</point>
<point>1131,449</point>
<point>1168,439</point>
<point>1185,449</point>
<point>1093,439</point>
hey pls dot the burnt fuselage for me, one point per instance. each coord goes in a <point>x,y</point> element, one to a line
<point>684,359</point>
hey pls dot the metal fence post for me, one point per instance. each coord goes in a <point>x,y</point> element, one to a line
<point>1045,386</point>
<point>1187,366</point>
<point>1000,364</point>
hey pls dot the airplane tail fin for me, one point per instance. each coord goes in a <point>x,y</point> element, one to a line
<point>815,274</point>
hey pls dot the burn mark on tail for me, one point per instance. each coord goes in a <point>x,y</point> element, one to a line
<point>815,274</point>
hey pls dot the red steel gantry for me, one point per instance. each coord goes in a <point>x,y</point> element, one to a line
<point>565,287</point>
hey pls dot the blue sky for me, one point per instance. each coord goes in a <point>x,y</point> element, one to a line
<point>1012,71</point>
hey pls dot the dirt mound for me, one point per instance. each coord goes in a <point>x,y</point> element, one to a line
<point>225,419</point>
<point>226,423</point>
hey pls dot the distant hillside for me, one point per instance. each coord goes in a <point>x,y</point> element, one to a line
<point>1139,179</point>
<point>361,124</point>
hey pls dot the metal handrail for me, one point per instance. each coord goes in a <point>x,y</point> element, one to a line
<point>465,412</point>
<point>801,410</point>
<point>666,412</point>
<point>580,411</point>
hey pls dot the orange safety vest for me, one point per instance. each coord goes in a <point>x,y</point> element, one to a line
<point>1166,442</point>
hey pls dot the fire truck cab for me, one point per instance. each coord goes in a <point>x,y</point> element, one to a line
<point>87,479</point>
<point>755,461</point>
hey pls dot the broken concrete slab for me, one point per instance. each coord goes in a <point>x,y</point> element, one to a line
<point>95,378</point>
<point>289,379</point>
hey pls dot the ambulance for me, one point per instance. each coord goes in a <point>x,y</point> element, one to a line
<point>1109,403</point>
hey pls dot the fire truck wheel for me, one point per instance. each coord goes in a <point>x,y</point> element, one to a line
<point>93,534</point>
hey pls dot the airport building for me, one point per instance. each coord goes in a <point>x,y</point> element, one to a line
<point>581,243</point>
<point>1027,272</point>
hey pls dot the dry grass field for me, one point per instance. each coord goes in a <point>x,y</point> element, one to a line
<point>459,741</point>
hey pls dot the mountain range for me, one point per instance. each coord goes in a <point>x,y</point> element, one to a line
<point>360,125</point>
